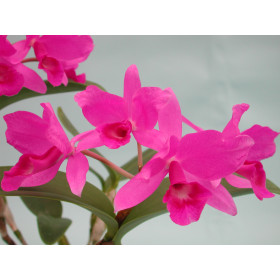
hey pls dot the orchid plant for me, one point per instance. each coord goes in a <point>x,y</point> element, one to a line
<point>177,173</point>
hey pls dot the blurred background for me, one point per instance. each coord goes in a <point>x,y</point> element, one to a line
<point>209,74</point>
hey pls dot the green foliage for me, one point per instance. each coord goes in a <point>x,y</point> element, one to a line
<point>26,93</point>
<point>92,198</point>
<point>51,229</point>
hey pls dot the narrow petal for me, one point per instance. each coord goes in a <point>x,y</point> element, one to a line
<point>31,79</point>
<point>142,185</point>
<point>55,132</point>
<point>232,129</point>
<point>152,139</point>
<point>238,182</point>
<point>255,173</point>
<point>131,85</point>
<point>100,107</point>
<point>170,117</point>
<point>76,170</point>
<point>6,48</point>
<point>27,133</point>
<point>222,200</point>
<point>264,146</point>
<point>208,155</point>
<point>71,74</point>
<point>22,49</point>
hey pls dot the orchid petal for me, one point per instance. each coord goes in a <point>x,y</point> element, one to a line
<point>232,129</point>
<point>142,185</point>
<point>264,146</point>
<point>100,107</point>
<point>22,49</point>
<point>131,85</point>
<point>31,79</point>
<point>238,182</point>
<point>76,170</point>
<point>208,155</point>
<point>6,48</point>
<point>170,117</point>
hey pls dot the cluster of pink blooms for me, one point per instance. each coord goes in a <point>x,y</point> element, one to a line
<point>59,56</point>
<point>196,162</point>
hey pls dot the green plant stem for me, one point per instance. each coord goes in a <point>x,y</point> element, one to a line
<point>140,157</point>
<point>63,240</point>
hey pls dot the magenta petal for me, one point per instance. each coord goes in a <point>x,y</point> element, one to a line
<point>55,132</point>
<point>264,146</point>
<point>222,200</point>
<point>185,202</point>
<point>31,79</point>
<point>142,185</point>
<point>71,74</point>
<point>208,155</point>
<point>115,135</point>
<point>88,140</point>
<point>11,81</point>
<point>22,175</point>
<point>152,139</point>
<point>131,85</point>
<point>76,170</point>
<point>255,173</point>
<point>6,48</point>
<point>100,107</point>
<point>22,49</point>
<point>27,133</point>
<point>170,117</point>
<point>67,47</point>
<point>238,182</point>
<point>146,104</point>
<point>176,173</point>
<point>54,70</point>
<point>232,129</point>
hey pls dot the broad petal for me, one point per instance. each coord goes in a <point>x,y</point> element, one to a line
<point>170,117</point>
<point>76,170</point>
<point>142,185</point>
<point>208,155</point>
<point>67,47</point>
<point>31,79</point>
<point>131,85</point>
<point>232,129</point>
<point>264,146</point>
<point>152,139</point>
<point>185,202</point>
<point>146,104</point>
<point>55,132</point>
<point>222,200</point>
<point>254,172</point>
<point>11,81</point>
<point>100,107</point>
<point>27,133</point>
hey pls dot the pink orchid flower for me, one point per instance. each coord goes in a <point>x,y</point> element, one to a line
<point>13,74</point>
<point>196,164</point>
<point>252,172</point>
<point>44,146</point>
<point>60,55</point>
<point>116,118</point>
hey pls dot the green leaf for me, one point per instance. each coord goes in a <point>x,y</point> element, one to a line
<point>148,209</point>
<point>43,206</point>
<point>113,180</point>
<point>132,165</point>
<point>52,229</point>
<point>92,198</point>
<point>26,93</point>
<point>272,187</point>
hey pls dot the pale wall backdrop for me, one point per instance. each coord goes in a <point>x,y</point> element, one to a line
<point>209,74</point>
